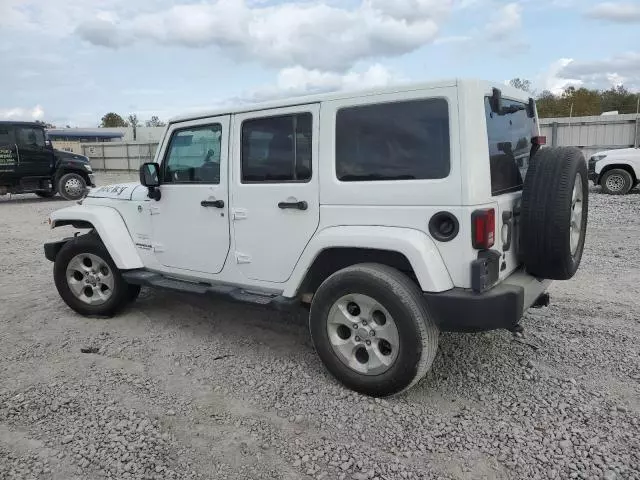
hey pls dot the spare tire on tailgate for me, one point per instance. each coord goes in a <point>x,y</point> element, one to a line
<point>555,202</point>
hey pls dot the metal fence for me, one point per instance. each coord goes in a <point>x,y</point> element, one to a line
<point>119,155</point>
<point>591,134</point>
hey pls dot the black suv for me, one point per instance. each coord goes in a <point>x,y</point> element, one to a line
<point>29,164</point>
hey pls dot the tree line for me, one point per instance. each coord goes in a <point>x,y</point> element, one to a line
<point>580,102</point>
<point>112,119</point>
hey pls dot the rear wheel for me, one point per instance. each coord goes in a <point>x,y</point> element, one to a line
<point>371,329</point>
<point>616,182</point>
<point>88,280</point>
<point>72,186</point>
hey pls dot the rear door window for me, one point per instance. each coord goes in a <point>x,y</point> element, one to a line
<point>393,141</point>
<point>510,145</point>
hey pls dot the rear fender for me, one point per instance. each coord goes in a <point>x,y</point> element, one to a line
<point>418,248</point>
<point>109,225</point>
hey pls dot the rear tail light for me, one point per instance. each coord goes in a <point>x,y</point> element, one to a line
<point>539,140</point>
<point>483,229</point>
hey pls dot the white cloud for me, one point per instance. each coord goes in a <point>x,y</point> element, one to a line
<point>295,81</point>
<point>607,72</point>
<point>506,21</point>
<point>315,35</point>
<point>621,12</point>
<point>553,80</point>
<point>18,113</point>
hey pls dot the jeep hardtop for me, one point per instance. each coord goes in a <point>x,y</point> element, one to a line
<point>29,164</point>
<point>392,214</point>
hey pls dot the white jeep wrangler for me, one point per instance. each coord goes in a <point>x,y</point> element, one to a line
<point>396,214</point>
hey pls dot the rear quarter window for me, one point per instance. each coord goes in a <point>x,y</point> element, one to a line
<point>509,136</point>
<point>393,141</point>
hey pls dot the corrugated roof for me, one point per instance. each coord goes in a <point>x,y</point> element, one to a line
<point>77,133</point>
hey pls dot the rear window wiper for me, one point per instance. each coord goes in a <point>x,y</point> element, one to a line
<point>513,108</point>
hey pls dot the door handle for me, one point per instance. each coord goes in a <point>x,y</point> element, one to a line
<point>212,203</point>
<point>293,205</point>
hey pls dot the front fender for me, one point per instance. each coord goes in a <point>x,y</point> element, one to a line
<point>605,162</point>
<point>109,225</point>
<point>416,246</point>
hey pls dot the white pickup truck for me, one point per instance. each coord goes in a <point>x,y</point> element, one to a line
<point>617,171</point>
<point>393,214</point>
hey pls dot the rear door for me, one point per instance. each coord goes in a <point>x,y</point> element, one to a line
<point>36,159</point>
<point>275,197</point>
<point>8,153</point>
<point>510,133</point>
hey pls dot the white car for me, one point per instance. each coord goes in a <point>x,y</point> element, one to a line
<point>617,171</point>
<point>393,214</point>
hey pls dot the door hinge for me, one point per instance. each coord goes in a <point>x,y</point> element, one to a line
<point>241,258</point>
<point>154,210</point>
<point>239,213</point>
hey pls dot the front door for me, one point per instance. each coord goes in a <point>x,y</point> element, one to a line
<point>35,157</point>
<point>275,197</point>
<point>190,222</point>
<point>8,153</point>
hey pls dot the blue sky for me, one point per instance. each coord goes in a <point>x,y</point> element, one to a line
<point>71,61</point>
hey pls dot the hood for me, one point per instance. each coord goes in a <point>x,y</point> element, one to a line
<point>70,156</point>
<point>120,191</point>
<point>619,151</point>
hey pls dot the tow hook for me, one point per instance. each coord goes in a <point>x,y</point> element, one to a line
<point>541,301</point>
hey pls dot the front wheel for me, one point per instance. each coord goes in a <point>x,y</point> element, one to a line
<point>371,329</point>
<point>616,182</point>
<point>72,186</point>
<point>88,280</point>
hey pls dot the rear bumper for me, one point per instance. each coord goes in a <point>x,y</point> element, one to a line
<point>502,307</point>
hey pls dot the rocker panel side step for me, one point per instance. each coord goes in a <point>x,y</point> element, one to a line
<point>151,279</point>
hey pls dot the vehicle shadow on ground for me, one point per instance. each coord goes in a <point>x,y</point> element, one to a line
<point>287,333</point>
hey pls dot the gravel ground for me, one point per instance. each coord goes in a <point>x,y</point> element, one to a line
<point>189,387</point>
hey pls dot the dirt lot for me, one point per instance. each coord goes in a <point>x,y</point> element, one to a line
<point>190,387</point>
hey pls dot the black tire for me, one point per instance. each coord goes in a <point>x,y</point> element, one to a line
<point>403,300</point>
<point>616,182</point>
<point>45,194</point>
<point>547,204</point>
<point>69,192</point>
<point>121,292</point>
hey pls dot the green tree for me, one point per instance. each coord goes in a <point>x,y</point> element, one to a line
<point>112,120</point>
<point>155,122</point>
<point>45,124</point>
<point>620,99</point>
<point>521,84</point>
<point>133,123</point>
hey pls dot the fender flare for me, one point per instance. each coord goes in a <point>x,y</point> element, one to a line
<point>602,164</point>
<point>109,225</point>
<point>416,246</point>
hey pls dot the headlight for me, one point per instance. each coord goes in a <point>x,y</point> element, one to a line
<point>88,167</point>
<point>597,158</point>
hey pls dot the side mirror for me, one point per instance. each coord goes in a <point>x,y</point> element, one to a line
<point>150,178</point>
